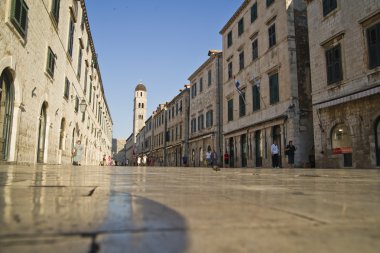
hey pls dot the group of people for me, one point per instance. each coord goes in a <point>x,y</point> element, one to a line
<point>77,155</point>
<point>289,152</point>
<point>211,156</point>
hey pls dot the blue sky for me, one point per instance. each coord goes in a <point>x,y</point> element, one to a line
<point>160,42</point>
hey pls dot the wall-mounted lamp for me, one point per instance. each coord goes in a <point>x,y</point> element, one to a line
<point>82,105</point>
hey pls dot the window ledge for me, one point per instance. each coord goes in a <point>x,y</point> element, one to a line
<point>21,39</point>
<point>51,78</point>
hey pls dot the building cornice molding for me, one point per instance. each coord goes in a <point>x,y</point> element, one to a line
<point>234,17</point>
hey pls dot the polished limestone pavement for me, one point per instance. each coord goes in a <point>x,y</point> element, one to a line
<point>161,209</point>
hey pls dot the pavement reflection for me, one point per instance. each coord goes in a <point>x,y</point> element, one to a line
<point>156,209</point>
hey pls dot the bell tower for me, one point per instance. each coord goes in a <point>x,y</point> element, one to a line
<point>139,109</point>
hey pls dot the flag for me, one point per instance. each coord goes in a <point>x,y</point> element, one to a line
<point>237,84</point>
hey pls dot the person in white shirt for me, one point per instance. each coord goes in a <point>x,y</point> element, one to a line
<point>274,151</point>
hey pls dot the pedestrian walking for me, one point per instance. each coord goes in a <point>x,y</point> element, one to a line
<point>214,161</point>
<point>208,158</point>
<point>77,153</point>
<point>226,159</point>
<point>274,151</point>
<point>289,151</point>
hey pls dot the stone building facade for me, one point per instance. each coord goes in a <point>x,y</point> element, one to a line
<point>49,73</point>
<point>119,152</point>
<point>177,119</point>
<point>265,54</point>
<point>130,153</point>
<point>345,72</point>
<point>159,141</point>
<point>205,109</point>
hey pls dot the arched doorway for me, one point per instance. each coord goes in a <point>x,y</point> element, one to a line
<point>200,157</point>
<point>193,157</point>
<point>6,112</point>
<point>243,150</point>
<point>72,140</point>
<point>341,143</point>
<point>61,144</point>
<point>377,141</point>
<point>42,134</point>
<point>258,149</point>
<point>276,134</point>
<point>232,152</point>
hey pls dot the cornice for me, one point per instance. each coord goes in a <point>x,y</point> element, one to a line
<point>234,17</point>
<point>207,62</point>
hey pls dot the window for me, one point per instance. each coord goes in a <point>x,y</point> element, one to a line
<point>55,9</point>
<point>19,15</point>
<point>328,6</point>
<point>373,40</point>
<point>71,38</point>
<point>82,23</point>
<point>255,50</point>
<point>90,94</point>
<point>200,122</point>
<point>50,62</point>
<point>200,85</point>
<point>256,97</point>
<point>85,80</point>
<point>194,90</point>
<point>242,104</point>
<point>269,2</point>
<point>209,118</point>
<point>230,108</point>
<point>66,92</point>
<point>76,104</point>
<point>273,89</point>
<point>209,77</point>
<point>230,70</point>
<point>272,35</point>
<point>79,70</point>
<point>229,39</point>
<point>334,65</point>
<point>241,26</point>
<point>241,60</point>
<point>194,125</point>
<point>254,12</point>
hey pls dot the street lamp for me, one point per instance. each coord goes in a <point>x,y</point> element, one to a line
<point>83,105</point>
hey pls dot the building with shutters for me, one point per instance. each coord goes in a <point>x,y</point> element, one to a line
<point>205,130</point>
<point>51,87</point>
<point>265,52</point>
<point>344,41</point>
<point>177,124</point>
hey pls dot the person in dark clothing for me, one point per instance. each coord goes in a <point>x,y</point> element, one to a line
<point>290,151</point>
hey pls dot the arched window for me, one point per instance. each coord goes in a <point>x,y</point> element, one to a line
<point>200,155</point>
<point>341,143</point>
<point>142,105</point>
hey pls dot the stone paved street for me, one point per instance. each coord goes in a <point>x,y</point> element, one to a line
<point>139,209</point>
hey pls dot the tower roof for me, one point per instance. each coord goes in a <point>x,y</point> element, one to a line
<point>140,86</point>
